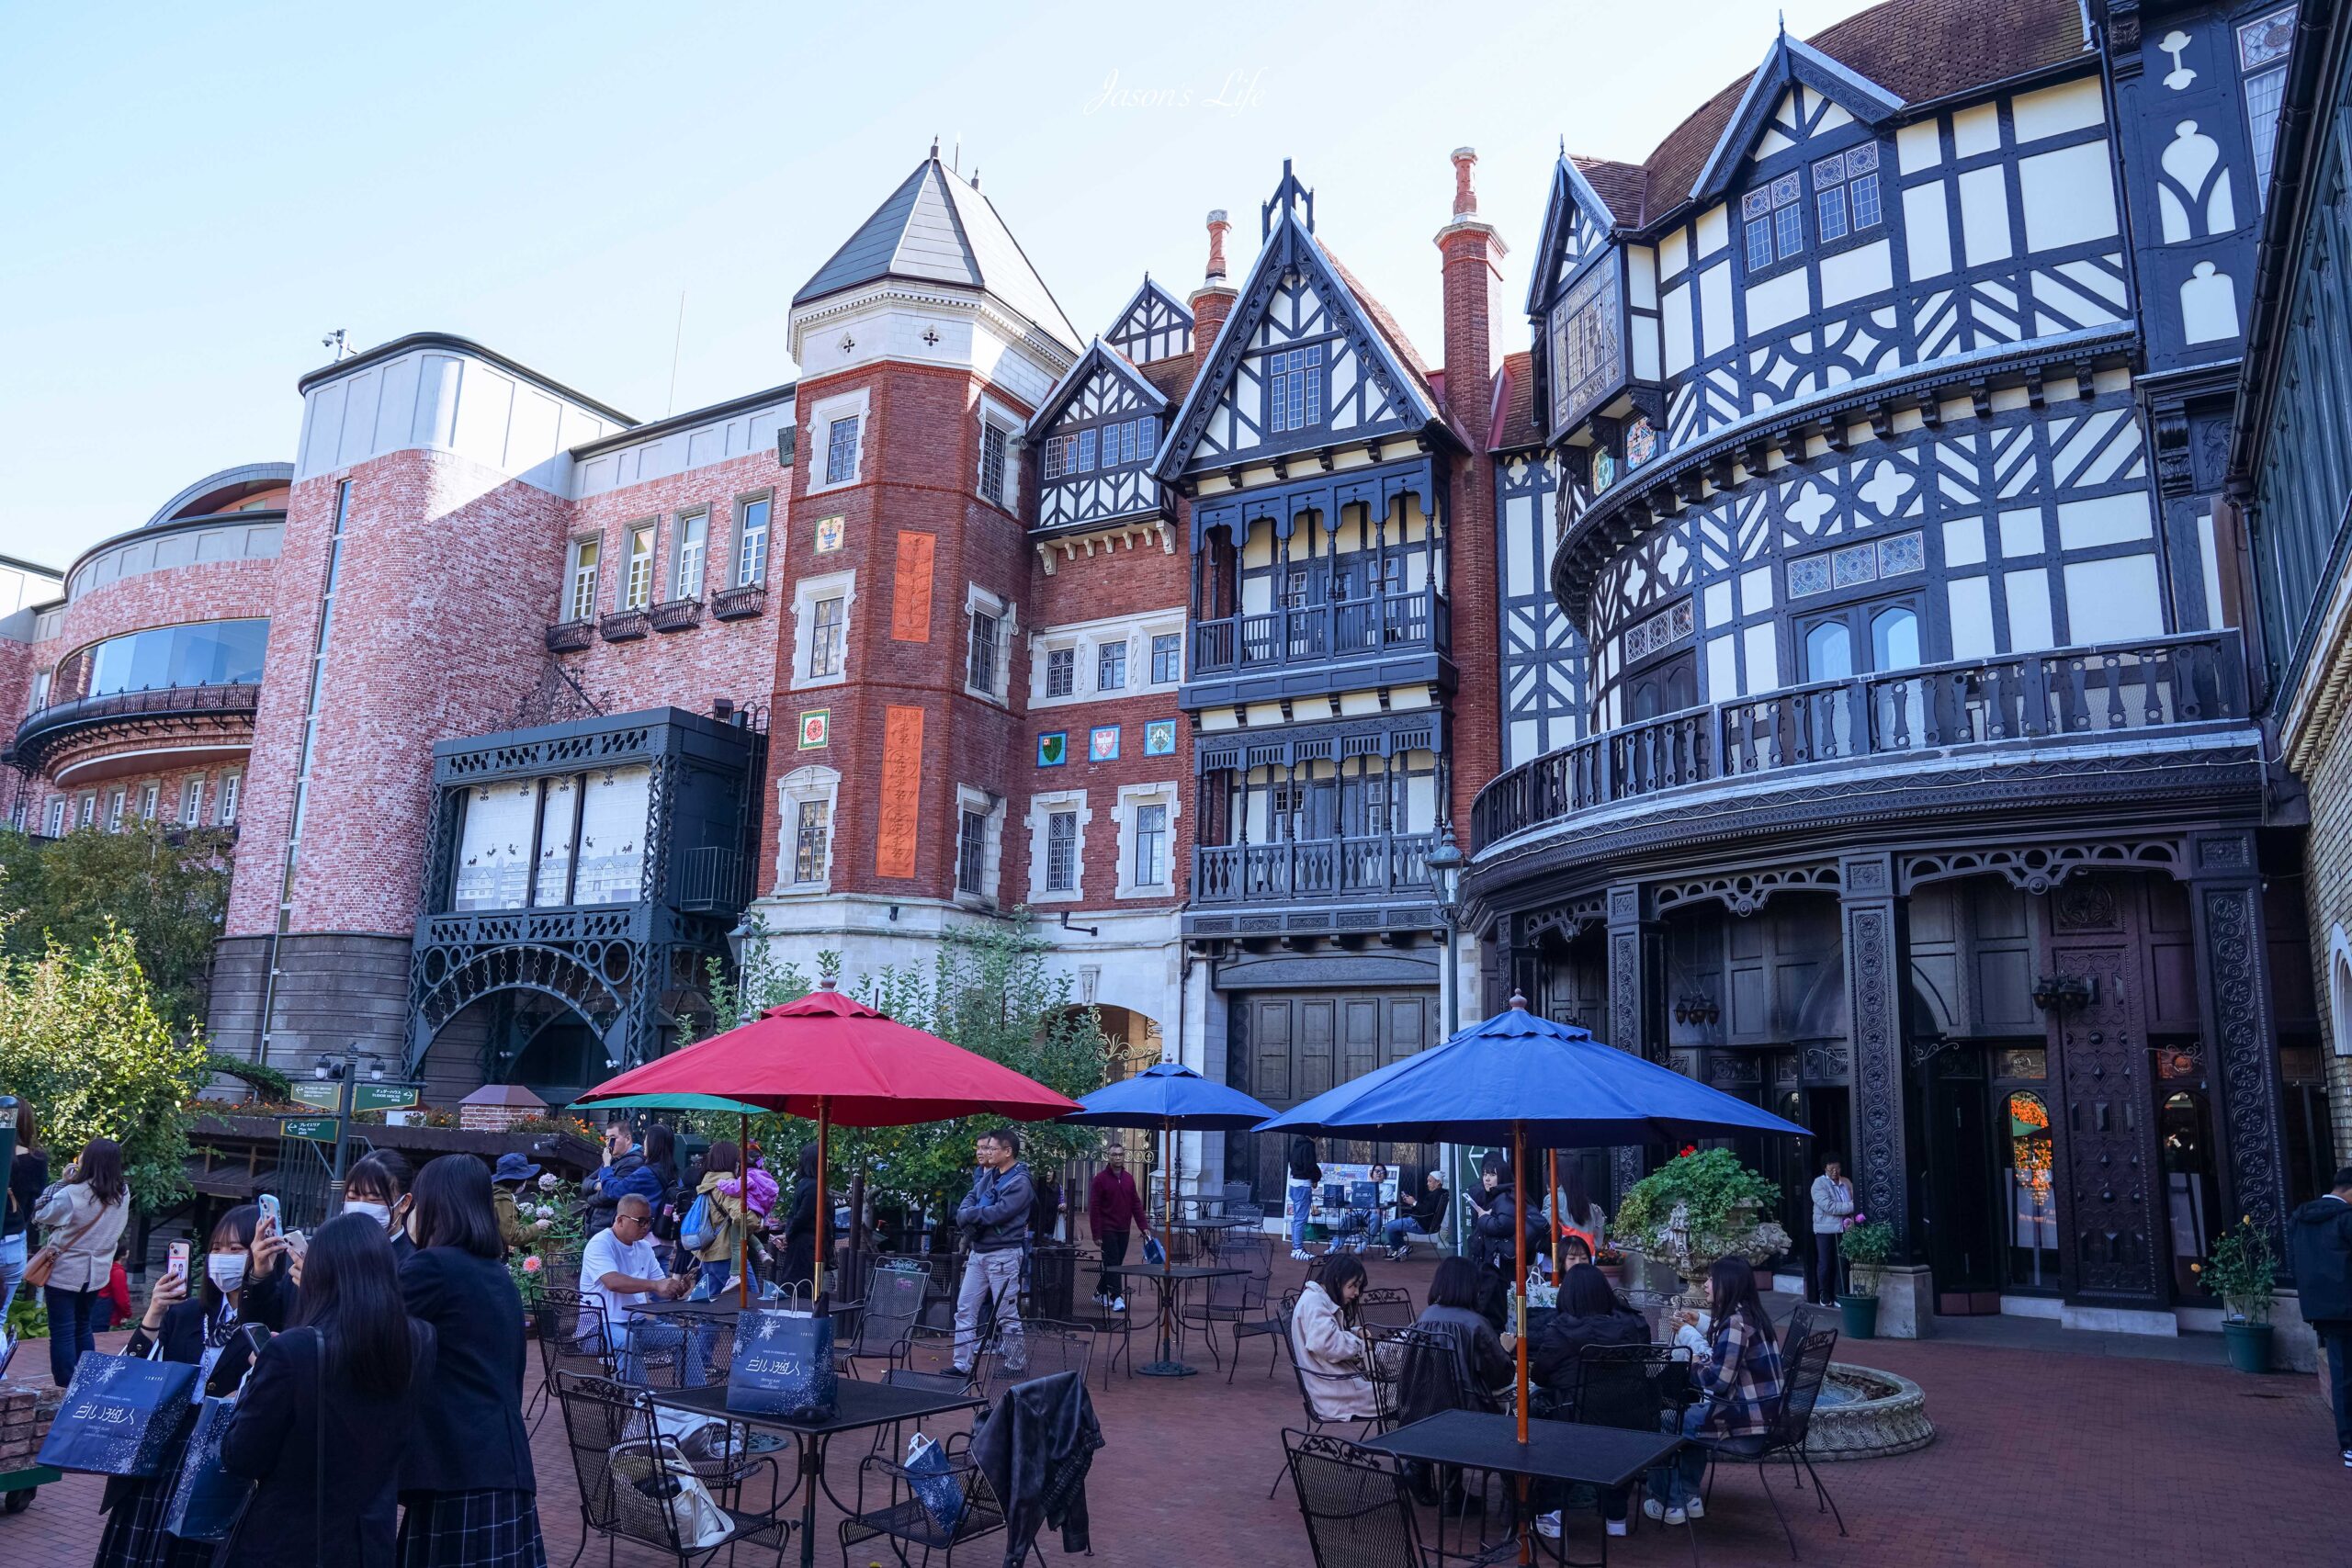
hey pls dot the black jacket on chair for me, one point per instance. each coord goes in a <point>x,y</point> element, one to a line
<point>469,1434</point>
<point>325,1496</point>
<point>1035,1448</point>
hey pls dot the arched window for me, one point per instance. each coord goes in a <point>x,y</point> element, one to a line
<point>1829,652</point>
<point>1895,638</point>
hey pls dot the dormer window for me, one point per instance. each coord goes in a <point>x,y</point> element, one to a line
<point>1775,221</point>
<point>1295,390</point>
<point>1845,191</point>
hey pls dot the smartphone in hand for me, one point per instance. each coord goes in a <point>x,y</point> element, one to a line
<point>269,1209</point>
<point>178,1265</point>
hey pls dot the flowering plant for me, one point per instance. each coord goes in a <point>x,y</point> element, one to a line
<point>2239,1271</point>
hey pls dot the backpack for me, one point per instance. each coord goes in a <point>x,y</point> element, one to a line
<point>701,1225</point>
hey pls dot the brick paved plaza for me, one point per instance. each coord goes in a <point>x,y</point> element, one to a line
<point>2091,1454</point>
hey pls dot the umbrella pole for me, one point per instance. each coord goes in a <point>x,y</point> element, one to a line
<point>816,1254</point>
<point>1552,1202</point>
<point>1518,1285</point>
<point>744,1232</point>
<point>1168,1237</point>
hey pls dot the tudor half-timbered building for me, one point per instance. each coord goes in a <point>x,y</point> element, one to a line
<point>1924,799</point>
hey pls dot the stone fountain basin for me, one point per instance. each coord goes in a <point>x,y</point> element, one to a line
<point>1864,1413</point>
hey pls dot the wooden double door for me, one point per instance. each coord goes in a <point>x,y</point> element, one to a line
<point>1287,1047</point>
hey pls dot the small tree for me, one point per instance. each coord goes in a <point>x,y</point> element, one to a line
<point>168,889</point>
<point>83,1036</point>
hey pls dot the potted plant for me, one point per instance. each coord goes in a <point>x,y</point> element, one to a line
<point>1866,1245</point>
<point>1697,1207</point>
<point>2239,1271</point>
<point>1611,1264</point>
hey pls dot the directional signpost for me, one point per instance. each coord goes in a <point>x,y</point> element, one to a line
<point>340,1091</point>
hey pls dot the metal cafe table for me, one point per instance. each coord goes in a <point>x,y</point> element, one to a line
<point>859,1406</point>
<point>1567,1452</point>
<point>1165,1279</point>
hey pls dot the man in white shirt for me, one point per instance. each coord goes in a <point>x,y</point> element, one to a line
<point>620,1270</point>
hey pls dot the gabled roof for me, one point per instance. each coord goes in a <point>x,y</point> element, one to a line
<point>1099,355</point>
<point>1291,243</point>
<point>1788,62</point>
<point>1173,376</point>
<point>1572,185</point>
<point>937,229</point>
<point>1139,304</point>
<point>1917,51</point>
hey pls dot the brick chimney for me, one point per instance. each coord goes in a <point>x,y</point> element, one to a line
<point>1215,297</point>
<point>1473,252</point>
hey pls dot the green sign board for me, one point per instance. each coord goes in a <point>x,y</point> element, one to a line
<point>318,1129</point>
<point>325,1096</point>
<point>384,1096</point>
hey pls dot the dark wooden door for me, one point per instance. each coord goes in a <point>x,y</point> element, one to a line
<point>1287,1047</point>
<point>2104,1141</point>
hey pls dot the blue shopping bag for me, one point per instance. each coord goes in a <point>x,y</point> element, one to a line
<point>935,1487</point>
<point>207,1500</point>
<point>121,1414</point>
<point>784,1365</point>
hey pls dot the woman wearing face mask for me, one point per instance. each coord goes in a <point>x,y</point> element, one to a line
<point>377,1188</point>
<point>243,1282</point>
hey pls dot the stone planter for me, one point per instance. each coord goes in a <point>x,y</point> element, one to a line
<point>1690,1254</point>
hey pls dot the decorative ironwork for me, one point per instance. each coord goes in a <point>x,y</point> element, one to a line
<point>556,698</point>
<point>676,614</point>
<point>625,626</point>
<point>1873,981</point>
<point>738,604</point>
<point>1745,892</point>
<point>2038,868</point>
<point>571,637</point>
<point>193,712</point>
<point>2241,1036</point>
<point>2058,993</point>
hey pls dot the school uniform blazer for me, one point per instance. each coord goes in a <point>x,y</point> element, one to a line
<point>470,1435</point>
<point>325,1496</point>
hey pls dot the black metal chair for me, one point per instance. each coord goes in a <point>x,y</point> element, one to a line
<point>1386,1306</point>
<point>894,1304</point>
<point>1357,1510</point>
<point>1046,1347</point>
<point>569,1326</point>
<point>1224,1297</point>
<point>1801,1379</point>
<point>630,1479</point>
<point>1311,1381</point>
<point>900,1516</point>
<point>1269,1327</point>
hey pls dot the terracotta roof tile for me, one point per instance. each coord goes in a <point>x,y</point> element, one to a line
<point>1622,185</point>
<point>1918,49</point>
<point>1515,393</point>
<point>1173,374</point>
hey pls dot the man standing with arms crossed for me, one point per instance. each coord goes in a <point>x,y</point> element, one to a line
<point>994,1218</point>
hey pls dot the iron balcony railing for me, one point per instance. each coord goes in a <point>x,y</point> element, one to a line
<point>1343,629</point>
<point>48,727</point>
<point>1312,870</point>
<point>710,878</point>
<point>2068,694</point>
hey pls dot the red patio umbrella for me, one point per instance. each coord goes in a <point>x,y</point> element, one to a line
<point>831,1059</point>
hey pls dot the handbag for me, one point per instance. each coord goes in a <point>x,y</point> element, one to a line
<point>651,1472</point>
<point>784,1365</point>
<point>121,1414</point>
<point>207,1500</point>
<point>42,1264</point>
<point>933,1483</point>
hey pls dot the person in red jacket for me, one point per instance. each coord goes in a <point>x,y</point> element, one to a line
<point>117,1296</point>
<point>1113,1204</point>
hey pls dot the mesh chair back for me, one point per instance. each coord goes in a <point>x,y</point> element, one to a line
<point>1236,1192</point>
<point>1800,1324</point>
<point>1050,1348</point>
<point>1617,1385</point>
<point>894,1302</point>
<point>1386,1306</point>
<point>1801,1382</point>
<point>1419,1371</point>
<point>572,1332</point>
<point>930,1352</point>
<point>1357,1511</point>
<point>604,1421</point>
<point>1225,1294</point>
<point>561,1268</point>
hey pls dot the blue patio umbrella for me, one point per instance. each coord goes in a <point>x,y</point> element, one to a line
<point>1519,1078</point>
<point>1167,1096</point>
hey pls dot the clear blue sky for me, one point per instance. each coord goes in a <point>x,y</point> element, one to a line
<point>197,193</point>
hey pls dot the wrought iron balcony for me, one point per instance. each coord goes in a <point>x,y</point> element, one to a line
<point>1339,630</point>
<point>710,878</point>
<point>676,614</point>
<point>1313,870</point>
<point>571,637</point>
<point>2068,695</point>
<point>738,604</point>
<point>624,625</point>
<point>225,709</point>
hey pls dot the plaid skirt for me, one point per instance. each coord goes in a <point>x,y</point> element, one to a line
<point>134,1535</point>
<point>470,1530</point>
